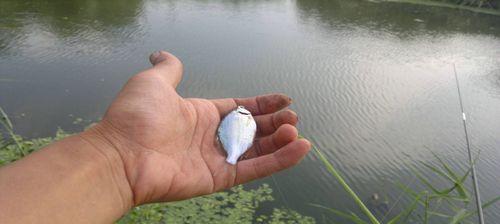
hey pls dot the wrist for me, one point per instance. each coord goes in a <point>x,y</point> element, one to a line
<point>111,165</point>
<point>106,138</point>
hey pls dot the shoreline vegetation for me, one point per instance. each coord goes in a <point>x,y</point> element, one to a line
<point>430,204</point>
<point>490,7</point>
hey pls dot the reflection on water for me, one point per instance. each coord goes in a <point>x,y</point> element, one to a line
<point>39,27</point>
<point>372,82</point>
<point>398,19</point>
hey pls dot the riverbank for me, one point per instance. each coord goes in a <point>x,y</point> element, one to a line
<point>481,6</point>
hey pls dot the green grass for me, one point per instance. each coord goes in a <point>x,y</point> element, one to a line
<point>448,205</point>
<point>331,169</point>
<point>7,124</point>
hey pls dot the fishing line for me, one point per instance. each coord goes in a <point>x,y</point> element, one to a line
<point>281,193</point>
<point>400,196</point>
<point>471,162</point>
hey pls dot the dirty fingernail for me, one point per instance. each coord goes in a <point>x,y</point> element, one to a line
<point>156,57</point>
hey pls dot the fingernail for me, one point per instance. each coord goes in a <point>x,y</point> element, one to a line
<point>157,57</point>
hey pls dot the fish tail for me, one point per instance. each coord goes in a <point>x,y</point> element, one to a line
<point>232,158</point>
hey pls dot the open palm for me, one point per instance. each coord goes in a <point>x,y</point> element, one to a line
<point>169,145</point>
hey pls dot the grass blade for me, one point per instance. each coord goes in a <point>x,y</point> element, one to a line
<point>460,216</point>
<point>5,121</point>
<point>4,145</point>
<point>346,187</point>
<point>491,202</point>
<point>458,183</point>
<point>485,205</point>
<point>410,192</point>
<point>439,214</point>
<point>437,171</point>
<point>427,183</point>
<point>407,212</point>
<point>426,209</point>
<point>446,196</point>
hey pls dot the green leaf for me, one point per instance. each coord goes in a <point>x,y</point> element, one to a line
<point>409,191</point>
<point>346,187</point>
<point>426,182</point>
<point>459,216</point>
<point>438,171</point>
<point>4,119</point>
<point>4,144</point>
<point>447,196</point>
<point>485,205</point>
<point>491,202</point>
<point>426,208</point>
<point>407,212</point>
<point>439,214</point>
<point>458,181</point>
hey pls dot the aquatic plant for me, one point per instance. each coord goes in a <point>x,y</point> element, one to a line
<point>234,206</point>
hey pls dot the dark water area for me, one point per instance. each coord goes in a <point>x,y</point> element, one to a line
<point>372,82</point>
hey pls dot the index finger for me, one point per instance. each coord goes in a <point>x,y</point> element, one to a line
<point>258,105</point>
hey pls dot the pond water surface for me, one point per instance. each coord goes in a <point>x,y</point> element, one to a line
<point>372,82</point>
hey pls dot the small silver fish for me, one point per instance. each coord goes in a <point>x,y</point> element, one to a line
<point>236,133</point>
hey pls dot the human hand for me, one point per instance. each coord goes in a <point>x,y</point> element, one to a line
<point>168,143</point>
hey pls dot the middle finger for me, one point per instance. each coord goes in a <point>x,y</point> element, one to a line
<point>269,123</point>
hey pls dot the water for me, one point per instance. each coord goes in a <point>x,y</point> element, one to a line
<point>372,82</point>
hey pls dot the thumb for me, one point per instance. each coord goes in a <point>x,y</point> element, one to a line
<point>168,66</point>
